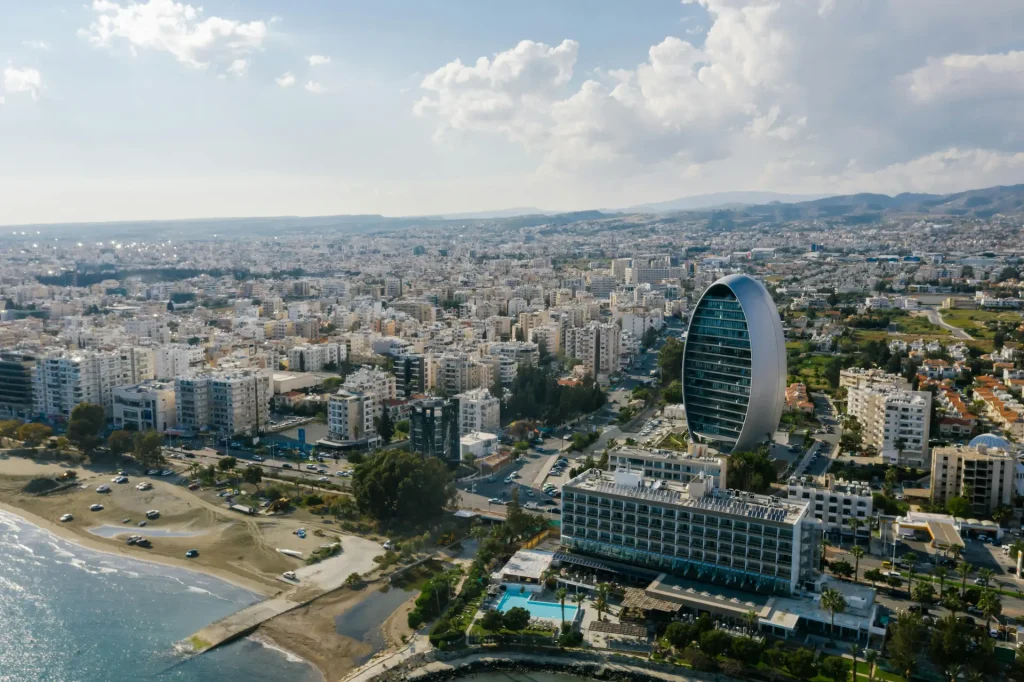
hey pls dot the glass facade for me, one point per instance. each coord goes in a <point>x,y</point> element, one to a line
<point>690,542</point>
<point>717,367</point>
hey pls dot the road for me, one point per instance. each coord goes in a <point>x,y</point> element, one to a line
<point>936,318</point>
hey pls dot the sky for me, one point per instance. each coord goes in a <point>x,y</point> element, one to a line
<point>155,109</point>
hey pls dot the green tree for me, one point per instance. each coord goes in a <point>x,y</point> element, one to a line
<point>227,463</point>
<point>670,360</point>
<point>751,471</point>
<point>801,664</point>
<point>874,575</point>
<point>835,668</point>
<point>253,475</point>
<point>673,393</point>
<point>958,506</point>
<point>84,427</point>
<point>715,642</point>
<point>940,572</point>
<point>990,606</point>
<point>856,552</point>
<point>964,569</point>
<point>385,427</point>
<point>516,618</point>
<point>492,621</point>
<point>148,448</point>
<point>923,593</point>
<point>9,428</point>
<point>403,486</point>
<point>871,658</point>
<point>833,601</point>
<point>679,635</point>
<point>906,642</point>
<point>120,442</point>
<point>842,568</point>
<point>561,594</point>
<point>910,559</point>
<point>33,434</point>
<point>402,427</point>
<point>603,591</point>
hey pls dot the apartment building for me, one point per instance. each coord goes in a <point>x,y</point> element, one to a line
<point>175,359</point>
<point>315,357</point>
<point>670,465</point>
<point>62,379</point>
<point>985,475</point>
<point>835,503</point>
<point>410,374</point>
<point>138,364</point>
<point>147,406</point>
<point>377,383</point>
<point>435,429</point>
<point>478,411</point>
<point>894,421</point>
<point>16,369</point>
<point>747,541</point>
<point>228,402</point>
<point>350,417</point>
<point>856,377</point>
<point>458,372</point>
<point>598,345</point>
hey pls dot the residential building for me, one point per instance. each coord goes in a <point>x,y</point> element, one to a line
<point>435,429</point>
<point>410,374</point>
<point>671,465</point>
<point>16,369</point>
<point>478,411</point>
<point>176,359</point>
<point>747,541</point>
<point>598,345</point>
<point>797,399</point>
<point>985,475</point>
<point>315,357</point>
<point>228,402</point>
<point>836,503</point>
<point>350,418</point>
<point>62,379</point>
<point>478,444</point>
<point>856,377</point>
<point>894,421</point>
<point>725,375</point>
<point>147,406</point>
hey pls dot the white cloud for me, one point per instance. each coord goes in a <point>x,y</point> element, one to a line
<point>36,44</point>
<point>23,80</point>
<point>318,60</point>
<point>173,27</point>
<point>239,67</point>
<point>777,93</point>
<point>286,80</point>
<point>315,88</point>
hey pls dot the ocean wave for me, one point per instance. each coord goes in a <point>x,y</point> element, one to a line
<point>267,644</point>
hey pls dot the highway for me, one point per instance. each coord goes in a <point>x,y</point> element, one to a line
<point>935,317</point>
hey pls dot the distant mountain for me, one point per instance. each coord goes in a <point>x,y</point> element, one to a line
<point>501,213</point>
<point>716,200</point>
<point>867,208</point>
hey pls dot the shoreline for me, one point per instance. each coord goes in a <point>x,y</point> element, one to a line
<point>81,540</point>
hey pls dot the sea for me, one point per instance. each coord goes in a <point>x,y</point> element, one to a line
<point>70,614</point>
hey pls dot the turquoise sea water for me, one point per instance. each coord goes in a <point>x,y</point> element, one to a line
<point>69,614</point>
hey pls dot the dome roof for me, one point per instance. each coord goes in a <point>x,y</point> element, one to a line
<point>991,440</point>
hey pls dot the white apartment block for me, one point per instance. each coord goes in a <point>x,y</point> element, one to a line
<point>378,384</point>
<point>835,503</point>
<point>138,364</point>
<point>227,402</point>
<point>314,357</point>
<point>176,359</point>
<point>478,411</point>
<point>458,372</point>
<point>670,465</point>
<point>637,321</point>
<point>350,417</point>
<point>986,476</point>
<point>597,345</point>
<point>855,377</point>
<point>894,421</point>
<point>61,380</point>
<point>148,406</point>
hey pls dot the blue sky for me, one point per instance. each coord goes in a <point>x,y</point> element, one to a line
<point>220,112</point>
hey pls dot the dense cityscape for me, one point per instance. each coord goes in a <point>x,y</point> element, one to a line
<point>780,446</point>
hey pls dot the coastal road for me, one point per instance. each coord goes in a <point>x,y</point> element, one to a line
<point>935,317</point>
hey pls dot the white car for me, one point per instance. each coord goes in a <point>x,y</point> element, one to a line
<point>103,488</point>
<point>152,513</point>
<point>96,507</point>
<point>494,500</point>
<point>289,575</point>
<point>387,545</point>
<point>145,485</point>
<point>324,479</point>
<point>66,518</point>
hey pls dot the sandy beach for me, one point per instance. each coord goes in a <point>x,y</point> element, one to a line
<point>235,548</point>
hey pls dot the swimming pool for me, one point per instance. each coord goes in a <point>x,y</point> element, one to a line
<point>538,609</point>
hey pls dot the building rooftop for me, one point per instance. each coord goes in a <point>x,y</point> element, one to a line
<point>697,493</point>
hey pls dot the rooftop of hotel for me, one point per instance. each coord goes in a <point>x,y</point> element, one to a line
<point>697,493</point>
<point>661,453</point>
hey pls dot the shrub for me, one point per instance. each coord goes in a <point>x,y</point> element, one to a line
<point>572,638</point>
<point>516,618</point>
<point>415,619</point>
<point>492,621</point>
<point>698,659</point>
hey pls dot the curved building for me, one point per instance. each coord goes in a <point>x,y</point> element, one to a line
<point>734,365</point>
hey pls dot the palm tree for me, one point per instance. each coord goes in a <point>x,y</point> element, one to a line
<point>601,602</point>
<point>832,600</point>
<point>953,603</point>
<point>579,598</point>
<point>825,544</point>
<point>940,572</point>
<point>964,569</point>
<point>561,593</point>
<point>870,657</point>
<point>910,558</point>
<point>854,524</point>
<point>857,551</point>
<point>985,575</point>
<point>751,618</point>
<point>990,606</point>
<point>854,650</point>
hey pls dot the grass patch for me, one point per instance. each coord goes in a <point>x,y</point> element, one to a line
<point>919,324</point>
<point>974,321</point>
<point>198,643</point>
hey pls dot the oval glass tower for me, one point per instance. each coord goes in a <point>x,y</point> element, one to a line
<point>734,366</point>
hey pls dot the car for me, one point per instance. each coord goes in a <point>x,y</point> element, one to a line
<point>193,486</point>
<point>286,465</point>
<point>121,479</point>
<point>152,472</point>
<point>324,479</point>
<point>189,455</point>
<point>192,554</point>
<point>187,447</point>
<point>980,581</point>
<point>103,488</point>
<point>145,485</point>
<point>311,467</point>
<point>153,514</point>
<point>289,575</point>
<point>96,507</point>
<point>66,518</point>
<point>257,458</point>
<point>493,500</point>
<point>387,545</point>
